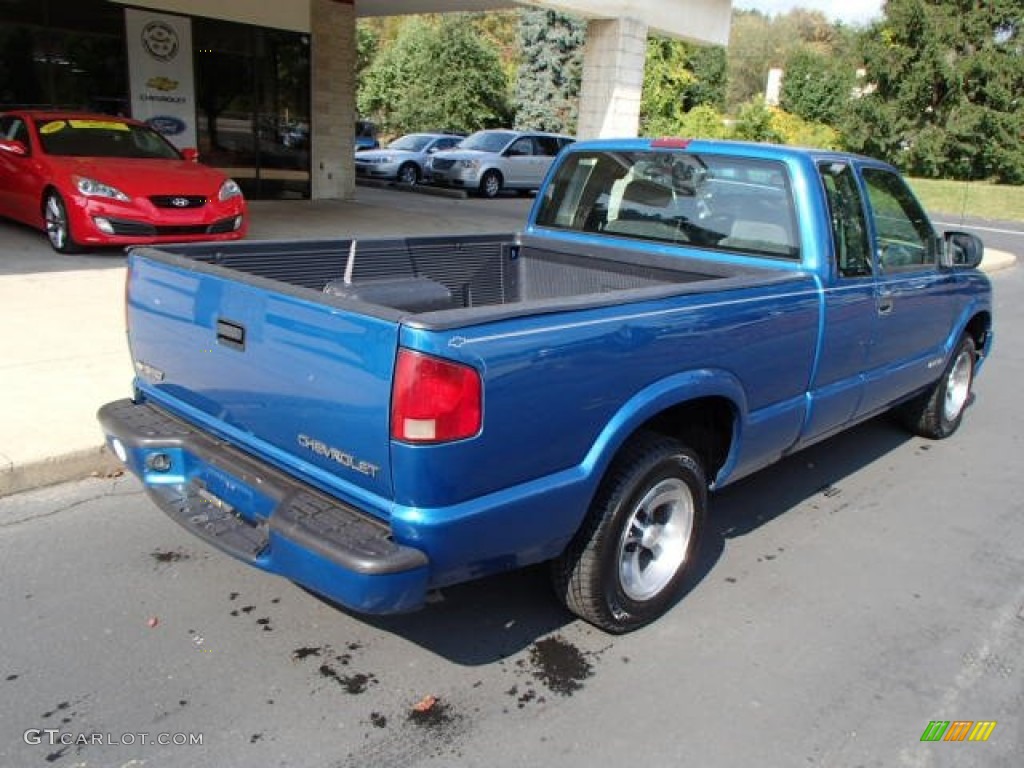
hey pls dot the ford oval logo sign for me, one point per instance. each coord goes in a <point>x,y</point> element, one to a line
<point>167,125</point>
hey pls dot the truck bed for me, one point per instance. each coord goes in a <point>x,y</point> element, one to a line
<point>443,282</point>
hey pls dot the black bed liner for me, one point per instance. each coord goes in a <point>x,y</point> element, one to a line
<point>449,281</point>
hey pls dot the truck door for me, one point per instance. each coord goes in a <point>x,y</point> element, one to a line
<point>849,305</point>
<point>913,298</point>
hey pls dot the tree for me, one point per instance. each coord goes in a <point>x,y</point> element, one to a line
<point>679,77</point>
<point>817,87</point>
<point>709,64</point>
<point>757,121</point>
<point>758,43</point>
<point>947,83</point>
<point>754,123</point>
<point>703,122</point>
<point>548,82</point>
<point>436,75</point>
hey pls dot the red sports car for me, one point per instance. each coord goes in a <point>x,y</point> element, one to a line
<point>91,179</point>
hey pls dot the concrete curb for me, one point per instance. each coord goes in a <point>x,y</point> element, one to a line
<point>74,465</point>
<point>994,261</point>
<point>419,189</point>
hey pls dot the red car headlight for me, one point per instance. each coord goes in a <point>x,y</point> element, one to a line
<point>92,188</point>
<point>228,190</point>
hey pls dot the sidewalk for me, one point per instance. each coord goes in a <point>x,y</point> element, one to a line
<point>63,351</point>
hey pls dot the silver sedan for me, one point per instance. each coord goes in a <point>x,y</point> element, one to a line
<point>404,158</point>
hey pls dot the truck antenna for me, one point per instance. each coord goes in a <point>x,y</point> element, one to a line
<point>350,267</point>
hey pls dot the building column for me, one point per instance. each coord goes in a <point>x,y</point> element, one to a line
<point>613,78</point>
<point>333,98</point>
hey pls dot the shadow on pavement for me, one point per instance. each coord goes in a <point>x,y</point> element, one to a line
<point>485,621</point>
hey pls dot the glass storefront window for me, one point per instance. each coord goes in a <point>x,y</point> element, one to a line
<point>252,84</point>
<point>63,53</point>
<point>252,91</point>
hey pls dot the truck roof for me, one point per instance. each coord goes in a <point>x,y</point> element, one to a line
<point>728,146</point>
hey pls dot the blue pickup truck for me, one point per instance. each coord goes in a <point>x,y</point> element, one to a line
<point>376,419</point>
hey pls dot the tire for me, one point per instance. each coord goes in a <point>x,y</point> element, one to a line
<point>58,225</point>
<point>409,174</point>
<point>937,413</point>
<point>639,542</point>
<point>490,184</point>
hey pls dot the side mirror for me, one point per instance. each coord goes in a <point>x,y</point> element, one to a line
<point>191,154</point>
<point>962,249</point>
<point>14,147</point>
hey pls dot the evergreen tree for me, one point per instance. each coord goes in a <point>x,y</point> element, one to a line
<point>816,86</point>
<point>946,95</point>
<point>550,71</point>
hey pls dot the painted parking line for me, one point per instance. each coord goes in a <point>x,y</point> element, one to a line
<point>981,228</point>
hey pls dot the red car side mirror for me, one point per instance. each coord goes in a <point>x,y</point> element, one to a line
<point>191,154</point>
<point>14,147</point>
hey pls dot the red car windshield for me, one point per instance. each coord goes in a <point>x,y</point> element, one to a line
<point>96,137</point>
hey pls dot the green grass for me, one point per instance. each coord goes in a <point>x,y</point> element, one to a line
<point>975,198</point>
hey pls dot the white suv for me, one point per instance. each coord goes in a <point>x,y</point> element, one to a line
<point>489,161</point>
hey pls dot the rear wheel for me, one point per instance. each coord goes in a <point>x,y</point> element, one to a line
<point>490,184</point>
<point>58,225</point>
<point>638,544</point>
<point>937,413</point>
<point>409,174</point>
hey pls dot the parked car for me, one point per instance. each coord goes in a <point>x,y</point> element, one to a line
<point>366,136</point>
<point>492,160</point>
<point>404,158</point>
<point>295,135</point>
<point>94,179</point>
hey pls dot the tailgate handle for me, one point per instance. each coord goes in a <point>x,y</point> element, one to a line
<point>231,334</point>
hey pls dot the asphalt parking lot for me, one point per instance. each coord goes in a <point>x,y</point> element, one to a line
<point>850,596</point>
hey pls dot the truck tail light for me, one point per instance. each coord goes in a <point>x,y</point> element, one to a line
<point>434,400</point>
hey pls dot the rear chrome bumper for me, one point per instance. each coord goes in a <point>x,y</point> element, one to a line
<point>253,511</point>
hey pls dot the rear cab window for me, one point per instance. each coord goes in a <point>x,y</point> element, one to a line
<point>701,200</point>
<point>851,248</point>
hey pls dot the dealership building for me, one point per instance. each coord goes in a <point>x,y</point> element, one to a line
<point>266,90</point>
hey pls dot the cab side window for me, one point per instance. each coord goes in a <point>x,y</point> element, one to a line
<point>849,227</point>
<point>521,147</point>
<point>548,145</point>
<point>906,240</point>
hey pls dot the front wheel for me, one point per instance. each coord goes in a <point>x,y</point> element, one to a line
<point>490,184</point>
<point>626,565</point>
<point>58,225</point>
<point>937,413</point>
<point>409,174</point>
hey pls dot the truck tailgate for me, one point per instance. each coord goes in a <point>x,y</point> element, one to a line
<point>280,374</point>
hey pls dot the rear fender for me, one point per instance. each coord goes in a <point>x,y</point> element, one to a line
<point>659,397</point>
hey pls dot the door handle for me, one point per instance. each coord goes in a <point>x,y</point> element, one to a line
<point>883,300</point>
<point>231,334</point>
